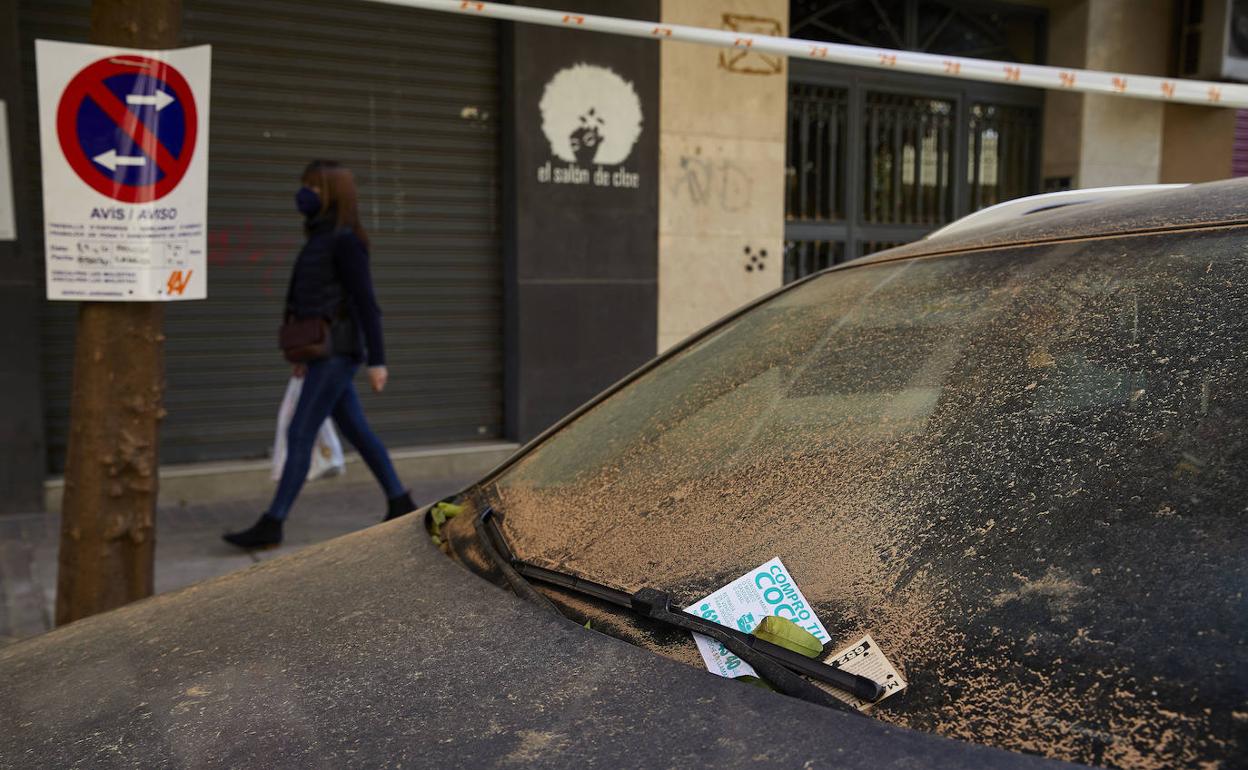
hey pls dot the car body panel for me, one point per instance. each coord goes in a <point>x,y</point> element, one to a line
<point>374,649</point>
<point>1030,205</point>
<point>1215,204</point>
<point>1072,567</point>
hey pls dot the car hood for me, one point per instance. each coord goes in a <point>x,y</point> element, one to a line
<point>376,649</point>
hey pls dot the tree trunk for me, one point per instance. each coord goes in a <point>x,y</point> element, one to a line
<point>108,535</point>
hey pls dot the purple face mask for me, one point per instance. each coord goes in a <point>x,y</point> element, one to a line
<point>307,201</point>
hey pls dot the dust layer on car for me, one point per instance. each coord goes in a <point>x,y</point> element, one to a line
<point>1020,471</point>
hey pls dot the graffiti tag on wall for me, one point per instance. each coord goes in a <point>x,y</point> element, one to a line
<point>720,183</point>
<point>744,59</point>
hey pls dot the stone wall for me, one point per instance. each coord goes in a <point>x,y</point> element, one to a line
<point>1063,112</point>
<point>1107,140</point>
<point>721,166</point>
<point>1122,137</point>
<point>1197,143</point>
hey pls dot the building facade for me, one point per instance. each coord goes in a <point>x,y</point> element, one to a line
<point>550,208</point>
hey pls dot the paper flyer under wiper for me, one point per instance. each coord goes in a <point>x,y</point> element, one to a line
<point>865,658</point>
<point>743,603</point>
<point>770,590</point>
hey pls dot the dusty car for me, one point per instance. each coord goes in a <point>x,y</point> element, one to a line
<point>1012,453</point>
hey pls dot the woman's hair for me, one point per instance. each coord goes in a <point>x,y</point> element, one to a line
<point>337,186</point>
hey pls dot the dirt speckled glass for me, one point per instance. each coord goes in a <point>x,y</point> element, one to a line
<point>988,461</point>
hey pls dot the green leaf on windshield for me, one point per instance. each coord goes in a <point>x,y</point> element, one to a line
<point>447,511</point>
<point>755,681</point>
<point>787,634</point>
<point>441,513</point>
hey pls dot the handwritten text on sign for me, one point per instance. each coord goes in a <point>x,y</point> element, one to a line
<point>124,143</point>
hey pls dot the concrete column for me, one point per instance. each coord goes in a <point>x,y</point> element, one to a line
<point>1198,143</point>
<point>580,210</point>
<point>1063,112</point>
<point>721,166</point>
<point>1122,137</point>
<point>1109,140</point>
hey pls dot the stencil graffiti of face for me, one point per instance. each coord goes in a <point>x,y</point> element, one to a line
<point>587,136</point>
<point>590,115</point>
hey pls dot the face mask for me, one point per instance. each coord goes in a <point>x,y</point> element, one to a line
<point>308,202</point>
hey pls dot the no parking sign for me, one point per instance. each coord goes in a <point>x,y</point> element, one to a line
<point>124,137</point>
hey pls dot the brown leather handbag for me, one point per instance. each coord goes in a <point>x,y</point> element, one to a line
<point>304,340</point>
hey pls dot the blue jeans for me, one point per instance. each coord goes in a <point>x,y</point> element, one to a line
<point>329,391</point>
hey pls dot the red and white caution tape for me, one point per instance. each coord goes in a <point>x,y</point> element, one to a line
<point>1031,75</point>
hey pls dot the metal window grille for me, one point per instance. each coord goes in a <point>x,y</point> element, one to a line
<point>1001,153</point>
<point>876,160</point>
<point>909,160</point>
<point>816,153</point>
<point>801,258</point>
<point>871,168</point>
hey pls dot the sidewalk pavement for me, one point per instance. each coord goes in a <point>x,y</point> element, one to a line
<point>188,544</point>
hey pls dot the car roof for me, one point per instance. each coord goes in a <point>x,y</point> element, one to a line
<point>376,649</point>
<point>1213,204</point>
<point>1014,208</point>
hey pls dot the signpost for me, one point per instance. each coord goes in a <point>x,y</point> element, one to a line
<point>125,171</point>
<point>123,135</point>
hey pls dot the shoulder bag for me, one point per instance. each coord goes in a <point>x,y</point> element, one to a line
<point>304,340</point>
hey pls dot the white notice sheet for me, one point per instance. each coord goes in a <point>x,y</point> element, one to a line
<point>770,590</point>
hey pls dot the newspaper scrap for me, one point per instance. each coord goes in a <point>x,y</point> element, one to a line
<point>770,590</point>
<point>865,658</point>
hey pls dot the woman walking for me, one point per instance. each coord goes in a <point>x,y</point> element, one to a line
<point>333,324</point>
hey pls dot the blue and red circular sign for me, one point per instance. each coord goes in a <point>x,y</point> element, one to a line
<point>127,127</point>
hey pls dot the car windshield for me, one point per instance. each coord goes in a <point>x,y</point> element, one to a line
<point>959,455</point>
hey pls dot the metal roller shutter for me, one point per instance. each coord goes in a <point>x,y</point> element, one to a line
<point>409,100</point>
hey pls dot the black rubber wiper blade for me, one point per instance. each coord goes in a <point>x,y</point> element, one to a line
<point>777,664</point>
<point>658,605</point>
<point>492,540</point>
<point>573,583</point>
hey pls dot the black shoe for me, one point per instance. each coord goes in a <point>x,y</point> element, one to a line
<point>398,506</point>
<point>266,533</point>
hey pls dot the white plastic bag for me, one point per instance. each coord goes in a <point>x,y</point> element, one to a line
<point>327,457</point>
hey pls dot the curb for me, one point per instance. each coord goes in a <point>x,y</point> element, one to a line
<point>231,480</point>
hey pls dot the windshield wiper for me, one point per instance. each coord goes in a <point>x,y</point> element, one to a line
<point>488,533</point>
<point>778,665</point>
